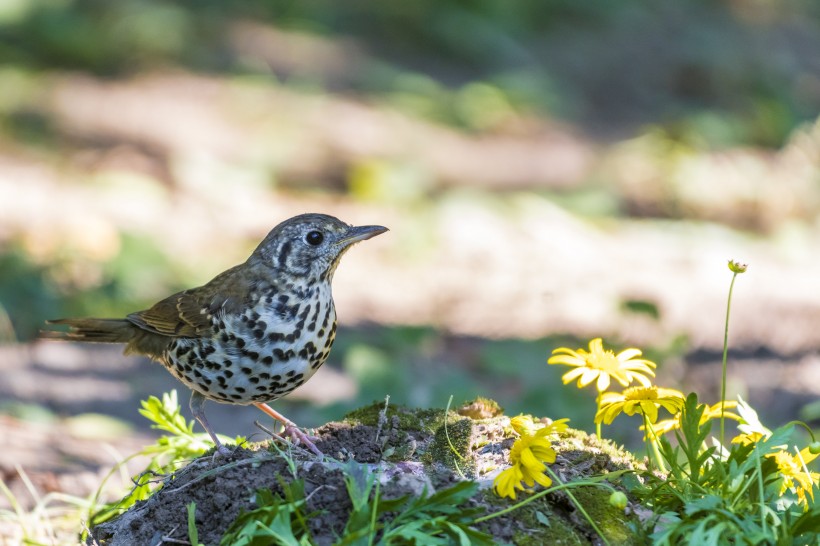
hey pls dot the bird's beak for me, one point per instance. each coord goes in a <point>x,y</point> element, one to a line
<point>361,233</point>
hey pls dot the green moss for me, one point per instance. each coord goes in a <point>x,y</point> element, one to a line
<point>452,445</point>
<point>422,420</point>
<point>612,522</point>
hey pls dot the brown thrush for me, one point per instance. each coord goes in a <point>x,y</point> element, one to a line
<point>252,334</point>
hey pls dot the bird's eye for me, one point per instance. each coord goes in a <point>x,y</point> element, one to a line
<point>314,238</point>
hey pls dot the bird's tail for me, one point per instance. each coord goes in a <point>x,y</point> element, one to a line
<point>92,330</point>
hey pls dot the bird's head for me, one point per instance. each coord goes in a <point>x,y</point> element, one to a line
<point>309,246</point>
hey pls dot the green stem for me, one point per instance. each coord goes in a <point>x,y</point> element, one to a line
<point>562,486</point>
<point>598,423</point>
<point>652,441</point>
<point>597,482</point>
<point>725,352</point>
<point>805,426</point>
<point>761,491</point>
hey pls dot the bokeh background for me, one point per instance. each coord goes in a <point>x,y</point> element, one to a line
<point>550,172</point>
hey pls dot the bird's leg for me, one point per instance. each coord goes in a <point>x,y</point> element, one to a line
<point>197,405</point>
<point>291,429</point>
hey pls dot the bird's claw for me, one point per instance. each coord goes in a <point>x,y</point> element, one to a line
<point>300,437</point>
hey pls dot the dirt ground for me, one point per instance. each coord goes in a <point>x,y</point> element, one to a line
<point>222,488</point>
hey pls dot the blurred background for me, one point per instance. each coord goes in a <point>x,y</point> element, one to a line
<point>550,172</point>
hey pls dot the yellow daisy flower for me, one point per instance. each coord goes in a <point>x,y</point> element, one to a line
<point>749,438</point>
<point>601,365</point>
<point>645,400</point>
<point>710,412</point>
<point>528,456</point>
<point>796,478</point>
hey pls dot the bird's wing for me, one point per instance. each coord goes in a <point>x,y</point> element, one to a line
<point>188,313</point>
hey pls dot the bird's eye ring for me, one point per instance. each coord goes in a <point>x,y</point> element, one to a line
<point>314,238</point>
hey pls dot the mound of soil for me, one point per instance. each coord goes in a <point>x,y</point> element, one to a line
<point>410,451</point>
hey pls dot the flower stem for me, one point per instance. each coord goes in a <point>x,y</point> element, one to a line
<point>652,441</point>
<point>598,424</point>
<point>725,352</point>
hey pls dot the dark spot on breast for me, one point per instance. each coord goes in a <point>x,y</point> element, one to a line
<point>240,342</point>
<point>247,371</point>
<point>251,323</point>
<point>253,380</point>
<point>183,351</point>
<point>290,373</point>
<point>258,334</point>
<point>197,373</point>
<point>276,377</point>
<point>228,373</point>
<point>224,338</point>
<point>208,350</point>
<point>236,397</point>
<point>280,355</point>
<point>264,375</point>
<point>276,336</point>
<point>240,389</point>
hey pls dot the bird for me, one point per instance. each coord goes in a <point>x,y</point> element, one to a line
<point>251,335</point>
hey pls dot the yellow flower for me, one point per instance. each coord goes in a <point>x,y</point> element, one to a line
<point>796,478</point>
<point>528,456</point>
<point>645,400</point>
<point>603,365</point>
<point>709,412</point>
<point>525,426</point>
<point>749,438</point>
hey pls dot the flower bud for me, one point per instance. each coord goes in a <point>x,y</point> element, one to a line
<point>737,267</point>
<point>814,448</point>
<point>618,500</point>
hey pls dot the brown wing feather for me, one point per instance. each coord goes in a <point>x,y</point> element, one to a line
<point>186,313</point>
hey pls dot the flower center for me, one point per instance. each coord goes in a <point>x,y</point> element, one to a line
<point>641,393</point>
<point>603,360</point>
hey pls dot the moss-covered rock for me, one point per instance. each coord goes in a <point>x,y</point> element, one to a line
<point>409,452</point>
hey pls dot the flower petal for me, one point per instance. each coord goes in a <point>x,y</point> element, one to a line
<point>627,354</point>
<point>588,377</point>
<point>571,375</point>
<point>603,382</point>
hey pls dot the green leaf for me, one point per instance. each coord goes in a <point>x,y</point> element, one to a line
<point>193,534</point>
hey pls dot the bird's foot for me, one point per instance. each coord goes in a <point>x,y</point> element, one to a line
<point>300,437</point>
<point>222,451</point>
